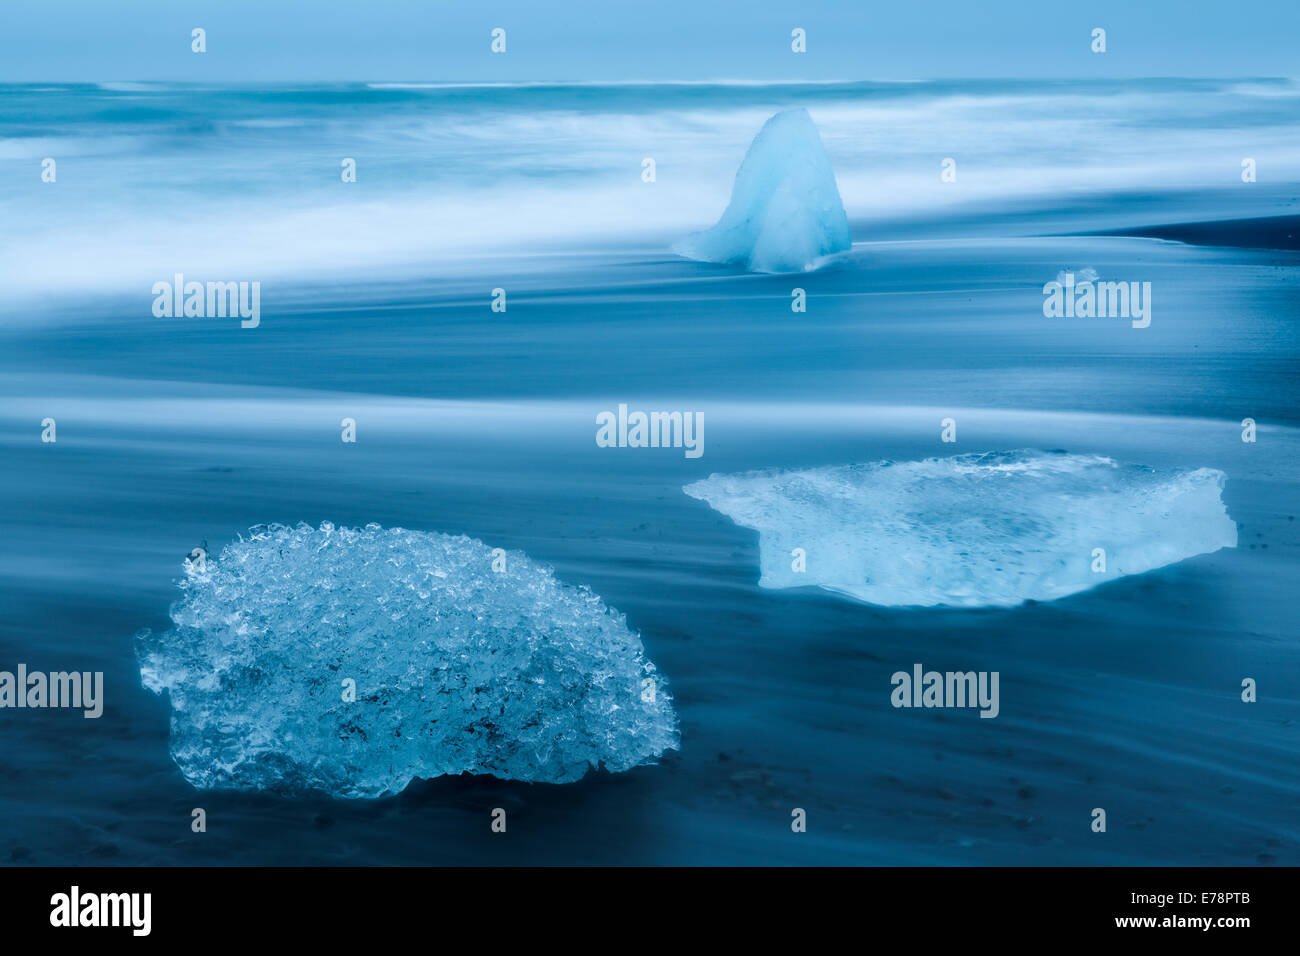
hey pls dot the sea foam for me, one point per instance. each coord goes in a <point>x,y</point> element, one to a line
<point>785,210</point>
<point>982,530</point>
<point>458,668</point>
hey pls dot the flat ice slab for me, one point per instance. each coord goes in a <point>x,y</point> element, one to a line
<point>785,209</point>
<point>984,530</point>
<point>457,667</point>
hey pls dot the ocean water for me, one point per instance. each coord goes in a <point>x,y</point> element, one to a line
<point>376,306</point>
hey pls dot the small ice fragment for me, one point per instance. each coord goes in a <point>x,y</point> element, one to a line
<point>1081,276</point>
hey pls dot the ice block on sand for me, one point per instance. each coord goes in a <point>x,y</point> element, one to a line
<point>982,530</point>
<point>352,661</point>
<point>785,210</point>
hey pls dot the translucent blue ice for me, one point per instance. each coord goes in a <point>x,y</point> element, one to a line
<point>785,209</point>
<point>990,530</point>
<point>458,668</point>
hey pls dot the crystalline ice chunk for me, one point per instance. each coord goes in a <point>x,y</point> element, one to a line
<point>457,668</point>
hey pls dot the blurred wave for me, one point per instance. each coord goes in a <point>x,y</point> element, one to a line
<point>158,178</point>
